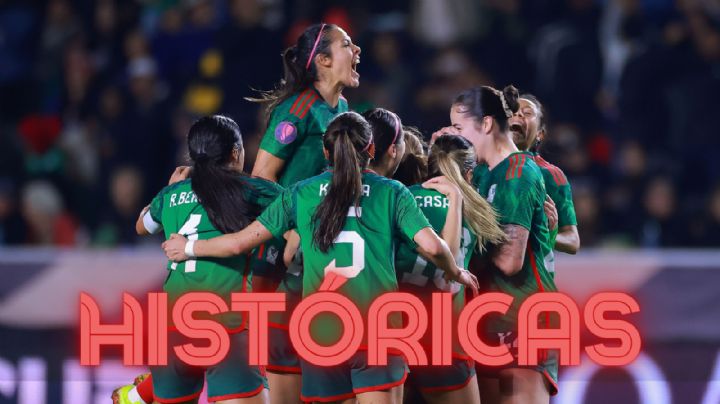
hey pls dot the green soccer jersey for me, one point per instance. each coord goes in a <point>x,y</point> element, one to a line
<point>176,210</point>
<point>516,189</point>
<point>363,251</point>
<point>558,188</point>
<point>295,134</point>
<point>422,278</point>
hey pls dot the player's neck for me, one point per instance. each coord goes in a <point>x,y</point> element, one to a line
<point>499,152</point>
<point>329,92</point>
<point>382,168</point>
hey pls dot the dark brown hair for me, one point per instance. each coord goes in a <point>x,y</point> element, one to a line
<point>480,102</point>
<point>348,140</point>
<point>296,76</point>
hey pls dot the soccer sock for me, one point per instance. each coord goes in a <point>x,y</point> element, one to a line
<point>145,390</point>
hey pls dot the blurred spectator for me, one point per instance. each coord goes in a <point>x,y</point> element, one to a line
<point>660,226</point>
<point>44,211</point>
<point>88,89</point>
<point>118,223</point>
<point>13,229</point>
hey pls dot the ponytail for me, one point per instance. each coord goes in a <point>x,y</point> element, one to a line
<point>299,71</point>
<point>449,156</point>
<point>413,167</point>
<point>349,142</point>
<point>212,140</point>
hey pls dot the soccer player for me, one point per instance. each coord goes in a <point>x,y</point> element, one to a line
<point>513,184</point>
<point>413,166</point>
<point>388,140</point>
<point>528,129</point>
<point>465,221</point>
<point>230,200</point>
<point>317,68</point>
<point>347,218</point>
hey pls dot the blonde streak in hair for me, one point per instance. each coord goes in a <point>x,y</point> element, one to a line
<point>479,215</point>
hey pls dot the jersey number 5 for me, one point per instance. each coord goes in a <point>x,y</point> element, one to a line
<point>358,251</point>
<point>189,230</point>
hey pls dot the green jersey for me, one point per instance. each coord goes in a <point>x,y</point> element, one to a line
<point>295,130</point>
<point>422,278</point>
<point>516,189</point>
<point>558,188</point>
<point>362,252</point>
<point>176,210</point>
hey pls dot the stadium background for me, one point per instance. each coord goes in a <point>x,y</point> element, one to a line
<point>96,97</point>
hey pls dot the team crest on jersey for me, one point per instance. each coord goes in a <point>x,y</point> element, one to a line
<point>491,193</point>
<point>272,254</point>
<point>285,132</point>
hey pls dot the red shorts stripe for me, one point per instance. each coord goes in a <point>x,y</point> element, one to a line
<point>179,399</point>
<point>441,389</point>
<point>283,369</point>
<point>380,387</point>
<point>238,395</point>
<point>327,399</point>
<point>554,390</point>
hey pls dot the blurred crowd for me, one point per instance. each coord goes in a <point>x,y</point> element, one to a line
<point>96,97</point>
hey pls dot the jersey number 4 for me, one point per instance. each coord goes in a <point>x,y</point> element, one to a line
<point>189,230</point>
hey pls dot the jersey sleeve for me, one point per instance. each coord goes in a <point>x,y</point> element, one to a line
<point>285,131</point>
<point>279,216</point>
<point>266,260</point>
<point>562,196</point>
<point>409,219</point>
<point>516,201</point>
<point>152,220</point>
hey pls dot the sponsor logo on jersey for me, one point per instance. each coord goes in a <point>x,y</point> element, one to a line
<point>285,132</point>
<point>491,193</point>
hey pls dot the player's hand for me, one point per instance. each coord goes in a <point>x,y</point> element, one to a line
<point>174,248</point>
<point>551,212</point>
<point>444,186</point>
<point>181,173</point>
<point>448,130</point>
<point>464,277</point>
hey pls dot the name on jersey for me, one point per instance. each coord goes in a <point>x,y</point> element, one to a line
<point>324,189</point>
<point>429,201</point>
<point>182,198</point>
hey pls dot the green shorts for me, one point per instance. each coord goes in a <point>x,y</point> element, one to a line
<point>344,381</point>
<point>547,363</point>
<point>433,379</point>
<point>231,378</point>
<point>282,357</point>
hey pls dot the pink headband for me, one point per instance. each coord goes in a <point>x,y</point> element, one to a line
<point>312,52</point>
<point>397,128</point>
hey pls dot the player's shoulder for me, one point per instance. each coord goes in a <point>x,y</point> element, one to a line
<point>419,190</point>
<point>262,185</point>
<point>378,181</point>
<point>521,167</point>
<point>550,171</point>
<point>184,185</point>
<point>296,107</point>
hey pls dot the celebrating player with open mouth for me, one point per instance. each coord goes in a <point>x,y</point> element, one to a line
<point>317,68</point>
<point>528,129</point>
<point>346,203</point>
